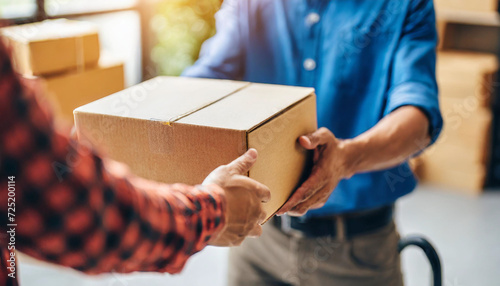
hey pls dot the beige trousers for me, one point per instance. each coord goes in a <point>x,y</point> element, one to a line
<point>277,258</point>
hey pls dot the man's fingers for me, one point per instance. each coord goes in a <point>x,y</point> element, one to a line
<point>263,216</point>
<point>243,163</point>
<point>306,142</point>
<point>263,192</point>
<point>256,231</point>
<point>296,213</point>
<point>237,242</point>
<point>296,198</point>
<point>304,192</point>
<point>318,137</point>
<point>291,202</point>
<point>312,193</point>
<point>315,202</point>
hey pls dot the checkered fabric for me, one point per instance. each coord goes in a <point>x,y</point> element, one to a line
<point>76,209</point>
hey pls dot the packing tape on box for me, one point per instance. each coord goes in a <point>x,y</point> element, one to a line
<point>179,117</point>
<point>158,131</point>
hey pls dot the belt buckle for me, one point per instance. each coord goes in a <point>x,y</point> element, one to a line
<point>286,227</point>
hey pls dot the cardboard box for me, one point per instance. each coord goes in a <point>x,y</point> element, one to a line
<point>71,90</point>
<point>458,63</point>
<point>468,5</point>
<point>467,76</point>
<point>468,31</point>
<point>467,128</point>
<point>179,129</point>
<point>52,46</point>
<point>472,92</point>
<point>460,156</point>
<point>443,29</point>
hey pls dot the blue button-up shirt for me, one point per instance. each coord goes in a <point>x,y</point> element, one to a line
<point>365,58</point>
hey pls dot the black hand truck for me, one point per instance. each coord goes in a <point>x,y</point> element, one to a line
<point>429,251</point>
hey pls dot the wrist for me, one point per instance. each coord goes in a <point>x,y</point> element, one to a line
<point>351,156</point>
<point>218,192</point>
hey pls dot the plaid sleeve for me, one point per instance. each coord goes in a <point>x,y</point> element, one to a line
<point>76,209</point>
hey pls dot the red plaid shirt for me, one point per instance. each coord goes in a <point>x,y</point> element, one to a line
<point>76,209</point>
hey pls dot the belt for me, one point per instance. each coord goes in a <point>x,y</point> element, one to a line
<point>354,223</point>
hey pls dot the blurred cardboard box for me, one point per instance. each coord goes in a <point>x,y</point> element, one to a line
<point>177,130</point>
<point>460,64</point>
<point>468,5</point>
<point>467,76</point>
<point>443,30</point>
<point>460,156</point>
<point>52,46</point>
<point>71,90</point>
<point>466,125</point>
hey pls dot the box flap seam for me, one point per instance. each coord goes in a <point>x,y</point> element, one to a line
<point>279,113</point>
<point>179,117</point>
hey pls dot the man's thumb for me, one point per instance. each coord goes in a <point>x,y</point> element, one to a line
<point>243,163</point>
<point>308,142</point>
<point>318,137</point>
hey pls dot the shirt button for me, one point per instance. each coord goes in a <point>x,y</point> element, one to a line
<point>309,64</point>
<point>312,18</point>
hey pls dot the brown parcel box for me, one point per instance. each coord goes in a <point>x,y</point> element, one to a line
<point>179,129</point>
<point>467,5</point>
<point>52,46</point>
<point>71,90</point>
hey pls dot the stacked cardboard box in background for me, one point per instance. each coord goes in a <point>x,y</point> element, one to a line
<point>467,64</point>
<point>65,56</point>
<point>468,5</point>
<point>493,178</point>
<point>460,156</point>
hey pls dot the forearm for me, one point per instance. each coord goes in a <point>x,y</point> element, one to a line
<point>393,140</point>
<point>105,219</point>
<point>174,222</point>
<point>111,220</point>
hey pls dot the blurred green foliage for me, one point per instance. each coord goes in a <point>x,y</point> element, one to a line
<point>181,26</point>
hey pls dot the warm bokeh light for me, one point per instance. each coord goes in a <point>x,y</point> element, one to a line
<point>181,26</point>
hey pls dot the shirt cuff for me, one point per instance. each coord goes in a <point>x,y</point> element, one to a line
<point>421,96</point>
<point>213,202</point>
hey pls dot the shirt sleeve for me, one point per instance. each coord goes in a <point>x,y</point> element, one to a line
<point>414,66</point>
<point>222,55</point>
<point>76,209</point>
